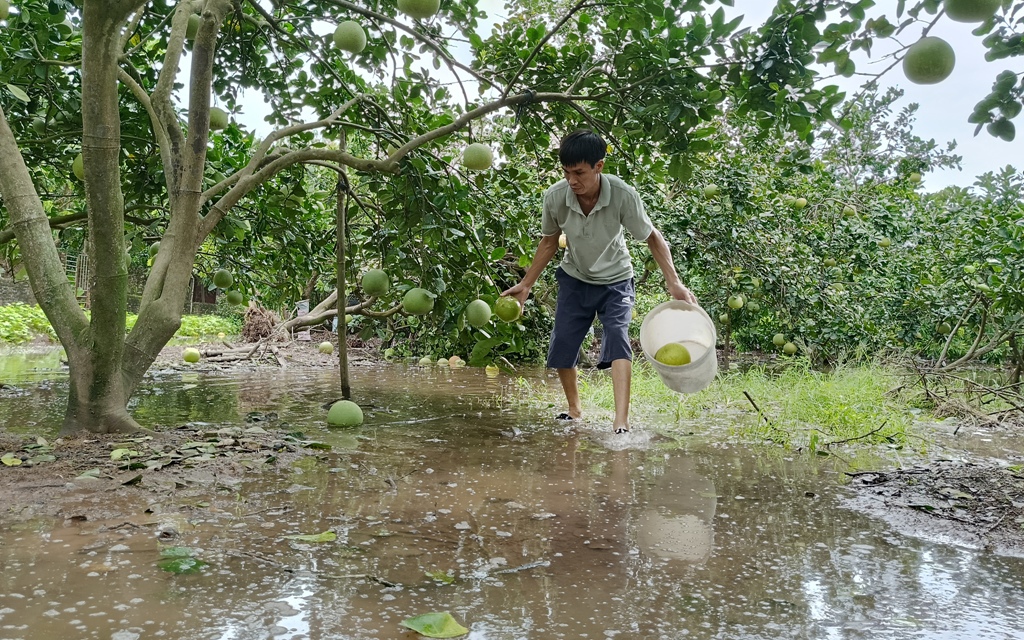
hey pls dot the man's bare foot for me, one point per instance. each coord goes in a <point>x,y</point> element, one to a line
<point>569,415</point>
<point>621,428</point>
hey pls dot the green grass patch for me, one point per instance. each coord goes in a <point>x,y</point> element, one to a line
<point>21,323</point>
<point>799,407</point>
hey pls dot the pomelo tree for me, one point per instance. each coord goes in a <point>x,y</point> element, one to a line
<point>105,79</point>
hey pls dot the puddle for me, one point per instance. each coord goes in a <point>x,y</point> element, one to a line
<point>451,499</point>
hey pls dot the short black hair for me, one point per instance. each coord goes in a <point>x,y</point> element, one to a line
<point>582,145</point>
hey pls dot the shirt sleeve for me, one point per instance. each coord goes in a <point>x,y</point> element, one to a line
<point>634,216</point>
<point>548,222</point>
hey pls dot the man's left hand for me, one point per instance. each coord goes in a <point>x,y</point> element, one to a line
<point>680,292</point>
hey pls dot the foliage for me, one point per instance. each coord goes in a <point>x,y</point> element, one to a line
<point>802,406</point>
<point>20,322</point>
<point>656,78</point>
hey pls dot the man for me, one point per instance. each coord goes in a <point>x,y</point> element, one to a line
<point>596,274</point>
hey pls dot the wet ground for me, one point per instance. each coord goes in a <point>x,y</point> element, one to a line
<point>453,497</point>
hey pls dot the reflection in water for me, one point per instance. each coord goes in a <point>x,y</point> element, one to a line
<point>678,521</point>
<point>450,500</point>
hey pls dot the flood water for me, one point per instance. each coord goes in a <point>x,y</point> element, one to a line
<point>454,497</point>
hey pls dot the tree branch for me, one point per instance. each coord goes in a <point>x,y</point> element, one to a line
<point>540,45</point>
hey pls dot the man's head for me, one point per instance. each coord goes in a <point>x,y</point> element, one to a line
<point>582,156</point>
<point>582,145</point>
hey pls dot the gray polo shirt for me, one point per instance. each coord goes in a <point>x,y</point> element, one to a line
<point>596,247</point>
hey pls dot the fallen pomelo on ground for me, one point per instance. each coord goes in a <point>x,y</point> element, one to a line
<point>326,348</point>
<point>345,413</point>
<point>673,354</point>
<point>190,354</point>
<point>779,339</point>
<point>789,349</point>
<point>492,370</point>
<point>426,360</point>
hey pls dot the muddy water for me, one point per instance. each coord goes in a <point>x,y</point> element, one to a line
<point>451,499</point>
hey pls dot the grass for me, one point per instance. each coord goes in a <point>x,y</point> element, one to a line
<point>799,407</point>
<point>23,323</point>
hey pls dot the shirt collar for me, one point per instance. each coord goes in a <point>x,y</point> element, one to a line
<point>604,198</point>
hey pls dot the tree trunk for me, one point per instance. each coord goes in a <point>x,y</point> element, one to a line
<point>342,197</point>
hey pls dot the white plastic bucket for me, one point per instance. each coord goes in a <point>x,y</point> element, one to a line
<point>678,321</point>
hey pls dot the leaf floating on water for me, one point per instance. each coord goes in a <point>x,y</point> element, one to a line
<point>435,625</point>
<point>326,536</point>
<point>176,552</point>
<point>181,565</point>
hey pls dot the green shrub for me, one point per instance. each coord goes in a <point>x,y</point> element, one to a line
<point>20,322</point>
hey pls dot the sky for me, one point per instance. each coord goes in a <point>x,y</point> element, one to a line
<point>944,107</point>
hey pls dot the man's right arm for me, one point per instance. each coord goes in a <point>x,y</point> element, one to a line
<point>546,250</point>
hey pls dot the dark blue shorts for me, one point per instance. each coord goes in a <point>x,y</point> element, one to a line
<point>578,304</point>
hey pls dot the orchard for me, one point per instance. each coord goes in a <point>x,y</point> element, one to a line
<point>422,141</point>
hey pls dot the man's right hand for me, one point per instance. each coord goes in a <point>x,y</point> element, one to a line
<point>520,292</point>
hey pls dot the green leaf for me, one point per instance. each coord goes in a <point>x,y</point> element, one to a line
<point>181,565</point>
<point>498,253</point>
<point>10,460</point>
<point>326,536</point>
<point>18,93</point>
<point>176,552</point>
<point>435,625</point>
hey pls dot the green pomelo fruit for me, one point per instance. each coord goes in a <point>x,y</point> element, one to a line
<point>724,318</point>
<point>830,262</point>
<point>223,279</point>
<point>478,313</point>
<point>477,157</point>
<point>78,167</point>
<point>344,413</point>
<point>190,355</point>
<point>5,9</point>
<point>884,242</point>
<point>789,200</point>
<point>443,361</point>
<point>735,301</point>
<point>752,306</point>
<point>349,36</point>
<point>914,177</point>
<point>508,308</point>
<point>376,282</point>
<point>233,297</point>
<point>426,360</point>
<point>417,302</point>
<point>929,60</point>
<point>944,328</point>
<point>39,126</point>
<point>849,211</point>
<point>971,10</point>
<point>193,26</point>
<point>779,339</point>
<point>154,249</point>
<point>673,354</point>
<point>218,119</point>
<point>326,348</point>
<point>789,349</point>
<point>420,9</point>
<point>491,371</point>
<point>800,203</point>
<point>711,190</point>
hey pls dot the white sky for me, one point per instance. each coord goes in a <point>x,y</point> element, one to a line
<point>944,107</point>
